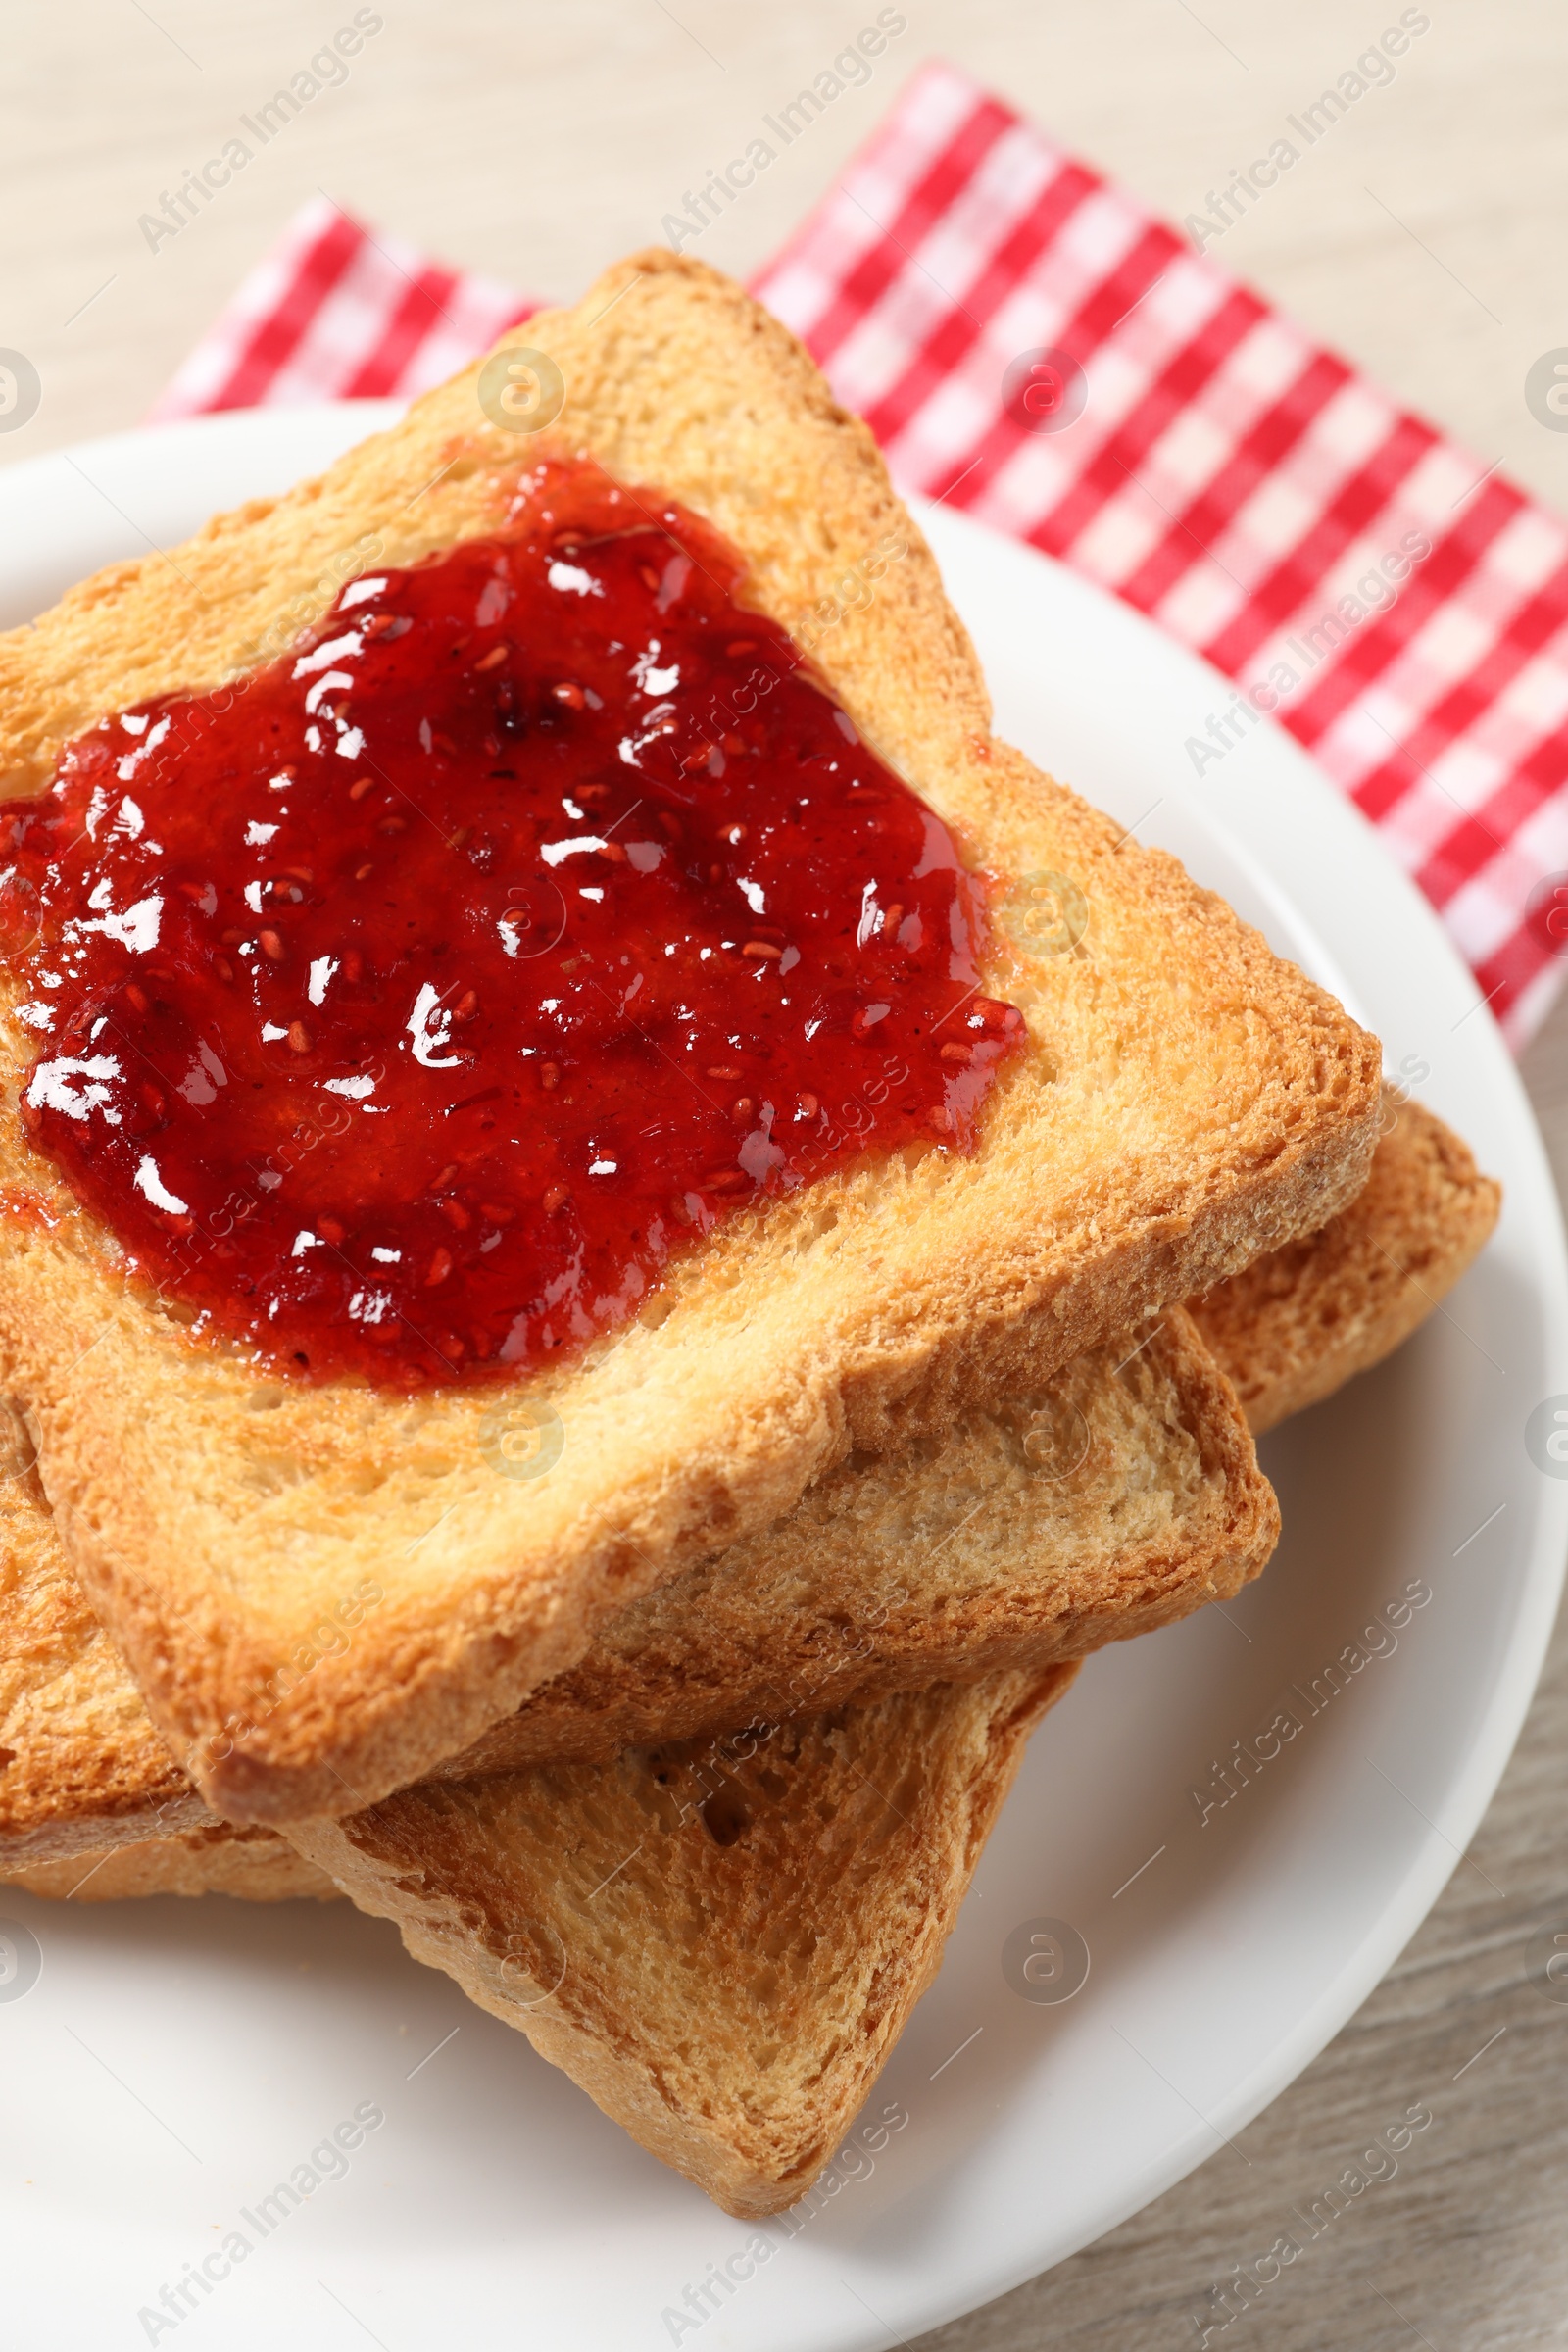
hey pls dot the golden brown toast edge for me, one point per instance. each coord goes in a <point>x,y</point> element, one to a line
<point>760,1629</point>
<point>816,1611</point>
<point>1300,1322</point>
<point>257,1865</point>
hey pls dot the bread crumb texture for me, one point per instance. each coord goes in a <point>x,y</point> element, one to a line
<point>721,1952</point>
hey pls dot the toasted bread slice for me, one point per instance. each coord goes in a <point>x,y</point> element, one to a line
<point>1124,1494</point>
<point>255,1864</point>
<point>1300,1322</point>
<point>323,1589</point>
<point>1123,1497</point>
<point>833,1613</point>
<point>720,1951</point>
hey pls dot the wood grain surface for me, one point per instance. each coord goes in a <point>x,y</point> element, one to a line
<point>1424,240</point>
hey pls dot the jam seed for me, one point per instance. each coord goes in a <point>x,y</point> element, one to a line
<point>765,950</point>
<point>735,835</point>
<point>134,995</point>
<point>440,1268</point>
<point>271,945</point>
<point>444,1177</point>
<point>491,659</point>
<point>360,786</point>
<point>330,1231</point>
<point>613,852</point>
<point>456,1216</point>
<point>807,1107</point>
<point>299,1037</point>
<point>892,918</point>
<point>466,1005</point>
<point>362,873</point>
<point>549,1077</point>
<point>392,824</point>
<point>726,1069</point>
<point>649,578</point>
<point>957,1054</point>
<point>725,1180</point>
<point>741,1110</point>
<point>497,1214</point>
<point>573,696</point>
<point>556,1197</point>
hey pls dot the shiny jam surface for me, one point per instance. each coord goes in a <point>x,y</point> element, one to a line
<point>403,1008</point>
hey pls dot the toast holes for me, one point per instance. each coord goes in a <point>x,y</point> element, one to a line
<point>727,1817</point>
<point>264,1401</point>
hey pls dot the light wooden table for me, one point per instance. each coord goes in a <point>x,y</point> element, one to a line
<point>1423,238</point>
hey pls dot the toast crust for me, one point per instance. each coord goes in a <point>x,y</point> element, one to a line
<point>1142,1500</point>
<point>947,1561</point>
<point>817,1610</point>
<point>324,1590</point>
<point>1297,1324</point>
<point>257,1865</point>
<point>80,1764</point>
<point>731,1991</point>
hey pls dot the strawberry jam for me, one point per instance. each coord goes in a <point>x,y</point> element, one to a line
<point>403,1008</point>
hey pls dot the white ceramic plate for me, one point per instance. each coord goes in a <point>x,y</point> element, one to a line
<point>175,2061</point>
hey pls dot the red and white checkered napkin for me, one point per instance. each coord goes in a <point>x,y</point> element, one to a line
<point>334,313</point>
<point>1400,609</point>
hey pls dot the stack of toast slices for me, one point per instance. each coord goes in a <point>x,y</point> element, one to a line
<point>678,1752</point>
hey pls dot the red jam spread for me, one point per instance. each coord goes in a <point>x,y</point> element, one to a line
<point>405,1007</point>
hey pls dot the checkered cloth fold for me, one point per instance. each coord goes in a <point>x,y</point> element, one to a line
<point>1032,346</point>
